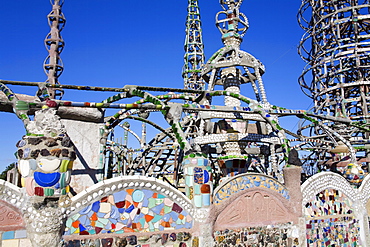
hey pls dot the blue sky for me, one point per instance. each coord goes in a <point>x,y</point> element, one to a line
<point>115,43</point>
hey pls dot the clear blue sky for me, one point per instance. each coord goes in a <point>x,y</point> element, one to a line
<point>115,42</point>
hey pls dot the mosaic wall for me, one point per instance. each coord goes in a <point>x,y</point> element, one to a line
<point>44,176</point>
<point>180,239</point>
<point>253,209</point>
<point>129,210</point>
<point>263,236</point>
<point>246,181</point>
<point>330,220</point>
<point>233,167</point>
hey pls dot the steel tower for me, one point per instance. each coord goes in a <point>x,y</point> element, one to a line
<point>336,48</point>
<point>194,55</point>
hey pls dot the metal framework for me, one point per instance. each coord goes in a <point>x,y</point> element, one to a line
<point>242,134</point>
<point>194,55</point>
<point>54,43</point>
<point>336,47</point>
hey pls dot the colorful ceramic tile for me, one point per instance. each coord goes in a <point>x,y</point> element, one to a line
<point>125,212</point>
<point>46,179</point>
<point>248,181</point>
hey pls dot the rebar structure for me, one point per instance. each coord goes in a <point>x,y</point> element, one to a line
<point>54,43</point>
<point>336,47</point>
<point>194,54</point>
<point>230,67</point>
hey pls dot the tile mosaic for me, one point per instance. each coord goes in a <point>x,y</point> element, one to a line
<point>129,211</point>
<point>330,220</point>
<point>246,181</point>
<point>197,175</point>
<point>20,234</point>
<point>264,236</point>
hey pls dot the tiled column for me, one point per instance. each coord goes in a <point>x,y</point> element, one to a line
<point>45,159</point>
<point>198,180</point>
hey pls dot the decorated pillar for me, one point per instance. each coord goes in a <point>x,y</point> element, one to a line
<point>45,160</point>
<point>198,188</point>
<point>198,180</point>
<point>45,156</point>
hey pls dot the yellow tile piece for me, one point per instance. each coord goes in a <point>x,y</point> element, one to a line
<point>10,243</point>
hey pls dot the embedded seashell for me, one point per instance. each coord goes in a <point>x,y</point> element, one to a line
<point>56,152</point>
<point>49,165</point>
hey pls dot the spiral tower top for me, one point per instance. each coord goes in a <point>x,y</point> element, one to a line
<point>336,47</point>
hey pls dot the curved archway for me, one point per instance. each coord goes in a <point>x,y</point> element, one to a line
<point>129,204</point>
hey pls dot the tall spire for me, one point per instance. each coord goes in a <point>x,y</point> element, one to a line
<point>194,55</point>
<point>54,43</point>
<point>229,66</point>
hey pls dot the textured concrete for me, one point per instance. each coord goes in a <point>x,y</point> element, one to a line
<point>85,136</point>
<point>74,113</point>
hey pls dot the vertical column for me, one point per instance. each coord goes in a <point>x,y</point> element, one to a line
<point>231,82</point>
<point>53,65</point>
<point>198,180</point>
<point>45,158</point>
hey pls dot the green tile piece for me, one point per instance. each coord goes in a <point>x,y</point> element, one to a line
<point>152,203</point>
<point>151,226</point>
<point>167,209</point>
<point>158,201</point>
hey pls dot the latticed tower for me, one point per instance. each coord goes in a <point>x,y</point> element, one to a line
<point>230,68</point>
<point>194,55</point>
<point>336,48</point>
<point>54,43</point>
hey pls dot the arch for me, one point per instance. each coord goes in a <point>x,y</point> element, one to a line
<point>11,218</point>
<point>251,199</point>
<point>254,207</point>
<point>365,189</point>
<point>246,181</point>
<point>326,180</point>
<point>343,207</point>
<point>129,204</point>
<point>11,199</point>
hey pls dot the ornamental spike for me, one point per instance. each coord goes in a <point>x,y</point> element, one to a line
<point>194,55</point>
<point>54,43</point>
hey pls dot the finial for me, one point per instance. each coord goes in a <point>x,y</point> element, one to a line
<point>231,23</point>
